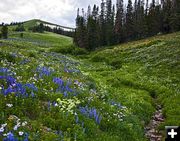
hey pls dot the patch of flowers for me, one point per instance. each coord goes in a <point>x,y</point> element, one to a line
<point>66,105</point>
<point>91,113</point>
<point>44,71</point>
<point>63,87</point>
<point>10,85</point>
<point>13,129</point>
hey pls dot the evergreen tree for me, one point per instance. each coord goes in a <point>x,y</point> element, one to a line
<point>175,15</point>
<point>81,31</point>
<point>153,19</point>
<point>167,16</point>
<point>109,22</point>
<point>135,22</point>
<point>41,28</point>
<point>20,28</point>
<point>140,26</point>
<point>4,31</point>
<point>129,27</point>
<point>92,29</point>
<point>102,25</point>
<point>119,29</point>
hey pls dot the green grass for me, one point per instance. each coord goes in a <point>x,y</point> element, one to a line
<point>137,75</point>
<point>152,65</point>
<point>31,23</point>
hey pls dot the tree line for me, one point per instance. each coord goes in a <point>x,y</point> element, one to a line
<point>110,25</point>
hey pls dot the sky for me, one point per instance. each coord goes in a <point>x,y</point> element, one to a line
<point>61,12</point>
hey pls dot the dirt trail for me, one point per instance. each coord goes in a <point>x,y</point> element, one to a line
<point>151,131</point>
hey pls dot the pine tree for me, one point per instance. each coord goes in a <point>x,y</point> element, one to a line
<point>175,15</point>
<point>167,16</point>
<point>81,31</point>
<point>4,31</point>
<point>92,29</point>
<point>129,27</point>
<point>20,28</point>
<point>153,19</point>
<point>119,29</point>
<point>109,22</point>
<point>102,25</point>
<point>140,23</point>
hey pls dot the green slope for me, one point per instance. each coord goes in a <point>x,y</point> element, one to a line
<point>151,65</point>
<point>123,83</point>
<point>31,23</point>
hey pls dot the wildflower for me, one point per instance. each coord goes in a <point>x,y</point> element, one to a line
<point>21,133</point>
<point>10,137</point>
<point>4,135</point>
<point>4,125</point>
<point>1,129</point>
<point>91,113</point>
<point>24,123</point>
<point>55,104</point>
<point>9,105</point>
<point>16,126</point>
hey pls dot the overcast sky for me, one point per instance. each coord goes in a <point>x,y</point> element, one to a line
<point>61,12</point>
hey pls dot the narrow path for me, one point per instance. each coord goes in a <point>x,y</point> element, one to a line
<point>151,131</point>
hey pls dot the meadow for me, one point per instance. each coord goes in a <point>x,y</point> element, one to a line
<point>50,90</point>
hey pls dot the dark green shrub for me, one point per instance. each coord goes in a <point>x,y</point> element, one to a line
<point>79,51</point>
<point>116,63</point>
<point>21,35</point>
<point>63,50</point>
<point>73,50</point>
<point>99,58</point>
<point>32,54</point>
<point>20,28</point>
<point>4,31</point>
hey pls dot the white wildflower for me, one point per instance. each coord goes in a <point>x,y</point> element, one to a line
<point>1,129</point>
<point>9,105</point>
<point>24,123</point>
<point>55,104</point>
<point>4,125</point>
<point>4,135</point>
<point>21,133</point>
<point>16,127</point>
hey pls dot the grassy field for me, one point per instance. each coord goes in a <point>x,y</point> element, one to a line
<point>108,94</point>
<point>34,22</point>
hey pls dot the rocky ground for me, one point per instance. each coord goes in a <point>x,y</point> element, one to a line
<point>151,130</point>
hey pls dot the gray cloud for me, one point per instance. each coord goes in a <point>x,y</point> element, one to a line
<point>62,12</point>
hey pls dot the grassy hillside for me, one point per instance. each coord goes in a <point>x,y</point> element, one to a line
<point>151,65</point>
<point>31,23</point>
<point>109,94</point>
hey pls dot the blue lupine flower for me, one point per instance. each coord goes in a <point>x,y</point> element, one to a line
<point>116,104</point>
<point>62,87</point>
<point>7,91</point>
<point>43,71</point>
<point>31,87</point>
<point>10,137</point>
<point>91,113</point>
<point>65,94</point>
<point>4,70</point>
